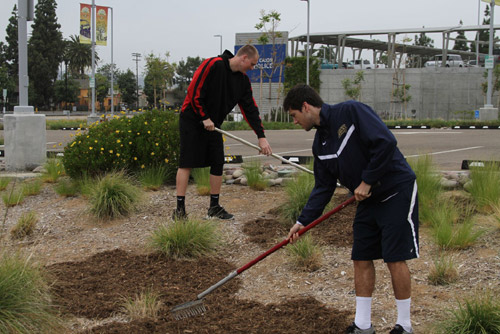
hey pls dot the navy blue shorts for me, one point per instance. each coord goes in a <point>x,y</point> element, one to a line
<point>387,229</point>
<point>199,147</point>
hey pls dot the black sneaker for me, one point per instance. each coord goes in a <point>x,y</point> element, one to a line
<point>179,214</point>
<point>398,329</point>
<point>353,329</point>
<point>219,212</point>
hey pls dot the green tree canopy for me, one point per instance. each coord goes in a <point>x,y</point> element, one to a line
<point>79,56</point>
<point>45,49</point>
<point>126,84</point>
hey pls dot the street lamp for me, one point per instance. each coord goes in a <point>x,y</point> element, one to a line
<point>220,42</point>
<point>307,45</point>
<point>137,57</point>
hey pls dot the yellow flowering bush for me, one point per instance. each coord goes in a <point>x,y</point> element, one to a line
<point>145,140</point>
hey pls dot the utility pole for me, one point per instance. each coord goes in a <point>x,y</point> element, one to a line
<point>137,57</point>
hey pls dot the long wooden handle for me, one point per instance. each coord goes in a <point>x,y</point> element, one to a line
<point>225,133</point>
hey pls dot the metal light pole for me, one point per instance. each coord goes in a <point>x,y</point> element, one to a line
<point>92,80</point>
<point>490,56</point>
<point>477,34</point>
<point>137,58</point>
<point>307,45</point>
<point>220,43</point>
<point>112,66</point>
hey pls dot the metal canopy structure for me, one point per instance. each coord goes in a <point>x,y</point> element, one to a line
<point>345,39</point>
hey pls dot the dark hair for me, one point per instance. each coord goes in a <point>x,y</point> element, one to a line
<point>300,94</point>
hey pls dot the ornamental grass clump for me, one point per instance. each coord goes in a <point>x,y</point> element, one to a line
<point>54,169</point>
<point>114,195</point>
<point>188,238</point>
<point>479,314</point>
<point>146,304</point>
<point>485,186</point>
<point>25,302</point>
<point>297,191</point>
<point>443,272</point>
<point>67,187</point>
<point>428,184</point>
<point>4,182</point>
<point>24,226</point>
<point>305,254</point>
<point>32,187</point>
<point>201,177</point>
<point>153,177</point>
<point>253,174</point>
<point>149,139</point>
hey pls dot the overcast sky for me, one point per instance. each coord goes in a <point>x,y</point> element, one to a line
<point>187,28</point>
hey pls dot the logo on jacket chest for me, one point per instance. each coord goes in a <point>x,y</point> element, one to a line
<point>342,130</point>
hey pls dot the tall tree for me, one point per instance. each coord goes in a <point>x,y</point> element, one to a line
<point>10,59</point>
<point>126,83</point>
<point>46,49</point>
<point>460,42</point>
<point>159,72</point>
<point>423,40</point>
<point>79,56</point>
<point>484,35</point>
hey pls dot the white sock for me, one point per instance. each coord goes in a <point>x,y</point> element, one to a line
<point>403,306</point>
<point>363,318</point>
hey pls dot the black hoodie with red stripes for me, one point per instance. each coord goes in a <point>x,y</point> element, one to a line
<point>215,90</point>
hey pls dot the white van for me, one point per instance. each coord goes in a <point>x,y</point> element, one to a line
<point>359,64</point>
<point>451,61</point>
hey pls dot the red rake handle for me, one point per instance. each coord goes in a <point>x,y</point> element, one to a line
<point>302,231</point>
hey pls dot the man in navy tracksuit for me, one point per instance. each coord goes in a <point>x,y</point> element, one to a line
<point>218,85</point>
<point>353,145</point>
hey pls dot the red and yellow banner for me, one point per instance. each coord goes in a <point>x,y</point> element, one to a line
<point>101,22</point>
<point>85,20</point>
<point>101,36</point>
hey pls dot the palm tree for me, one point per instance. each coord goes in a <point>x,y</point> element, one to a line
<point>79,56</point>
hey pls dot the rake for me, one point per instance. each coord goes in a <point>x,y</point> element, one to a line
<point>196,307</point>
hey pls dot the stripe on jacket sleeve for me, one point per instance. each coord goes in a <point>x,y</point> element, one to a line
<point>199,81</point>
<point>342,146</point>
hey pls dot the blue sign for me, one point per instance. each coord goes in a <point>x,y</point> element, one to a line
<point>272,66</point>
<point>476,114</point>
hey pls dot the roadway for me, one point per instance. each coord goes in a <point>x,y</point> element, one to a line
<point>448,147</point>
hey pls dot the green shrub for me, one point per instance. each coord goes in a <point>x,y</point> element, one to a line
<point>132,144</point>
<point>297,191</point>
<point>305,253</point>
<point>25,302</point>
<point>114,195</point>
<point>186,238</point>
<point>476,315</point>
<point>201,177</point>
<point>25,225</point>
<point>253,174</point>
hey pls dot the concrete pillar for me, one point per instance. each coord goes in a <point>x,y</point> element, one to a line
<point>488,113</point>
<point>25,139</point>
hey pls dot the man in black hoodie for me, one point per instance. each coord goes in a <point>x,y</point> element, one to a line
<point>218,85</point>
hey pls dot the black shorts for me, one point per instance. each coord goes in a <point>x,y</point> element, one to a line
<point>387,229</point>
<point>199,147</point>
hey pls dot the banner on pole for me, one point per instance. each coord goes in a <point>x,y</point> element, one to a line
<point>497,2</point>
<point>85,20</point>
<point>101,22</point>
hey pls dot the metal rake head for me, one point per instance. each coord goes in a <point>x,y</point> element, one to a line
<point>189,309</point>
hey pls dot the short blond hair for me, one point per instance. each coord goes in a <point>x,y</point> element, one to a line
<point>249,50</point>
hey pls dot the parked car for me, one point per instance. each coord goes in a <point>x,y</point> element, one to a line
<point>451,61</point>
<point>471,63</point>
<point>360,64</point>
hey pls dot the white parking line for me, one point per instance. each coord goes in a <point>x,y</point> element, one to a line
<point>444,152</point>
<point>424,132</point>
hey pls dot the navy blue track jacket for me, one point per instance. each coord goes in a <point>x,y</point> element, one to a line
<point>351,145</point>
